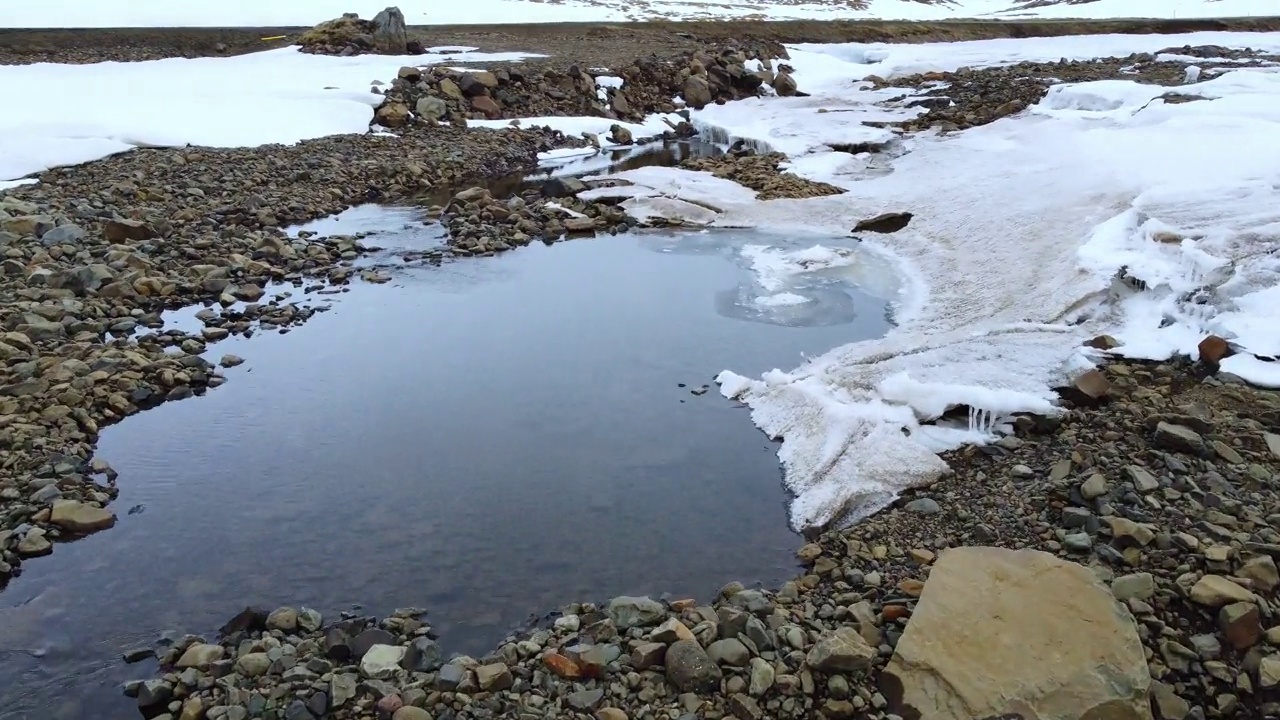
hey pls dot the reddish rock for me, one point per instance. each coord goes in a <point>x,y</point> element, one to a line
<point>890,613</point>
<point>1103,342</point>
<point>1213,350</point>
<point>562,666</point>
<point>486,105</point>
<point>388,705</point>
<point>1242,624</point>
<point>682,605</point>
<point>911,587</point>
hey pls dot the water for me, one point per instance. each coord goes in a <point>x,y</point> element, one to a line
<point>486,438</point>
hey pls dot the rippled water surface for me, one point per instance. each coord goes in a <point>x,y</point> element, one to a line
<point>486,438</point>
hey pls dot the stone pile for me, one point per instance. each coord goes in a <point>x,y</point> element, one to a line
<point>648,85</point>
<point>348,35</point>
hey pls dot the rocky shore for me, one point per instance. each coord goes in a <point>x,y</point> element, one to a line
<point>1118,560</point>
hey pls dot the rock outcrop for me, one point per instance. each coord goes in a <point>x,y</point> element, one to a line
<point>1017,632</point>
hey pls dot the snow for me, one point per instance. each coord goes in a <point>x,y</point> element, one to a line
<point>653,126</point>
<point>1020,230</point>
<point>254,13</point>
<point>278,96</point>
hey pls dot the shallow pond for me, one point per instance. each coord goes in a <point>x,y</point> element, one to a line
<point>486,438</point>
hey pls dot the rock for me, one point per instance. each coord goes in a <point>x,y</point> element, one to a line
<point>1262,571</point>
<point>1143,481</point>
<point>1269,672</point>
<point>342,688</point>
<point>1138,586</point>
<point>690,669</point>
<point>1272,442</point>
<point>924,506</point>
<point>562,187</point>
<point>585,699</point>
<point>487,105</point>
<point>563,667</point>
<point>1216,591</point>
<point>118,231</point>
<point>729,651</point>
<point>843,650</point>
<point>671,631</point>
<point>696,92</point>
<point>230,361</point>
<point>409,712</point>
<point>762,675</point>
<point>628,612</point>
<point>382,662</point>
<point>309,620</point>
<point>253,664</point>
<point>422,655</point>
<point>1094,487</point>
<point>431,107</point>
<point>392,115</point>
<point>79,518</point>
<point>1166,704</point>
<point>363,642</point>
<point>890,222</point>
<point>784,84</point>
<point>390,37</point>
<point>1087,389</point>
<point>200,656</point>
<point>450,677</point>
<point>1128,533</point>
<point>284,619</point>
<point>611,713</point>
<point>1001,631</point>
<point>153,694</point>
<point>620,135</point>
<point>1177,438</point>
<point>494,677</point>
<point>1213,350</point>
<point>34,543</point>
<point>1241,623</point>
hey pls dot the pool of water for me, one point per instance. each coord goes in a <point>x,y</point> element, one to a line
<point>486,438</point>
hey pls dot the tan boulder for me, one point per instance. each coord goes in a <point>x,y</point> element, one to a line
<point>1003,632</point>
<point>78,517</point>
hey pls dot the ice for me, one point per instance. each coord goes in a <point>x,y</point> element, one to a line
<point>782,299</point>
<point>278,96</point>
<point>284,13</point>
<point>653,125</point>
<point>858,60</point>
<point>1251,369</point>
<point>1102,209</point>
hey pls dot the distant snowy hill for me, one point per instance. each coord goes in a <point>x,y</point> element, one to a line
<point>256,13</point>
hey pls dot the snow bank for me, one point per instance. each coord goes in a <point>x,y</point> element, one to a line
<point>254,13</point>
<point>279,96</point>
<point>889,61</point>
<point>1020,228</point>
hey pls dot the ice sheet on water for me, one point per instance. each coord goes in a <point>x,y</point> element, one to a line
<point>1020,228</point>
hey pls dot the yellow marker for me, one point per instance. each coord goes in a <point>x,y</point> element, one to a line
<point>274,37</point>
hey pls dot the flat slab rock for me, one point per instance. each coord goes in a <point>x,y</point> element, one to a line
<point>1001,631</point>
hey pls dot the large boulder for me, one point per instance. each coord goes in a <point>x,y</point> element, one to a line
<point>389,34</point>
<point>1017,632</point>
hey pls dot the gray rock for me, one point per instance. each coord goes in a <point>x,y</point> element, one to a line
<point>63,235</point>
<point>381,662</point>
<point>628,612</point>
<point>284,619</point>
<point>762,675</point>
<point>431,107</point>
<point>1094,487</point>
<point>585,699</point>
<point>744,707</point>
<point>690,669</point>
<point>154,694</point>
<point>784,85</point>
<point>309,620</point>
<point>48,493</point>
<point>423,655</point>
<point>1143,481</point>
<point>1138,586</point>
<point>730,652</point>
<point>924,506</point>
<point>696,92</point>
<point>253,664</point>
<point>450,677</point>
<point>1077,542</point>
<point>342,688</point>
<point>843,650</point>
<point>367,639</point>
<point>297,710</point>
<point>390,37</point>
<point>1178,438</point>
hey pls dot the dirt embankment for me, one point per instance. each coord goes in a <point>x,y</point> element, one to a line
<point>587,42</point>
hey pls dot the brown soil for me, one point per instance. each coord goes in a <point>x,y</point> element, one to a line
<point>596,44</point>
